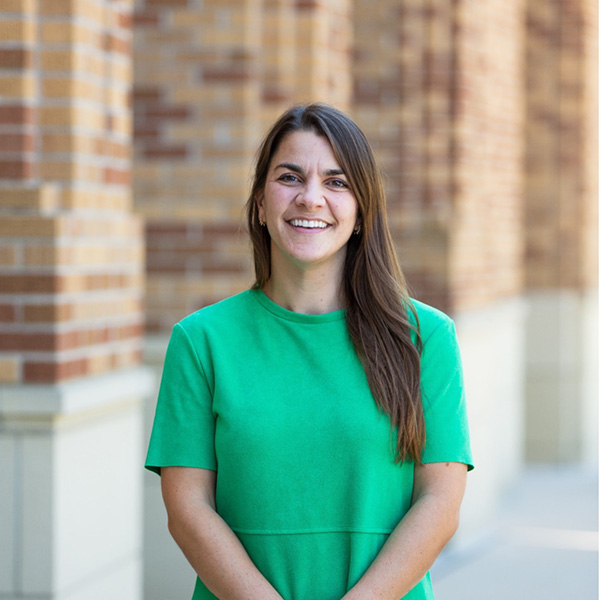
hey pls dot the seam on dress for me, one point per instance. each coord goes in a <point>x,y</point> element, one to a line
<point>198,362</point>
<point>383,531</point>
<point>444,323</point>
<point>299,319</point>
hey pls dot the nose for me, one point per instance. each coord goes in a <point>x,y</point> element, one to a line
<point>311,195</point>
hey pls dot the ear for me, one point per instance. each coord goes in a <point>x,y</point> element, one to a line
<point>358,222</point>
<point>259,198</point>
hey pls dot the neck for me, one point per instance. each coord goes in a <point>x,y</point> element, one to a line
<point>313,292</point>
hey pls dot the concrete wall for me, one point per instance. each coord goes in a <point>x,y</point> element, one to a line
<point>70,518</point>
<point>562,377</point>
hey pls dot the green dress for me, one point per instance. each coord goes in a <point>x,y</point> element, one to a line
<point>278,404</point>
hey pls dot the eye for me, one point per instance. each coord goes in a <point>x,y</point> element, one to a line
<point>338,183</point>
<point>288,178</point>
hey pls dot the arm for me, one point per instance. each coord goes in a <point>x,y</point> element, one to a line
<point>211,547</point>
<point>420,536</point>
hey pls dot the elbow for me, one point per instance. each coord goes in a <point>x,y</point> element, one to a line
<point>452,526</point>
<point>176,526</point>
<point>173,526</point>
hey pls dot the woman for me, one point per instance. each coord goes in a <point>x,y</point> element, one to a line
<point>311,432</point>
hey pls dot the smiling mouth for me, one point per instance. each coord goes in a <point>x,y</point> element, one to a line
<point>306,224</point>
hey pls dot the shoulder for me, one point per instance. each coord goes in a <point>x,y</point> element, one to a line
<point>430,319</point>
<point>223,313</point>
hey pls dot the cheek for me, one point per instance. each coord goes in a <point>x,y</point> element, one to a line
<point>349,210</point>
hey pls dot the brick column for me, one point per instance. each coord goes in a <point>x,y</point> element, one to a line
<point>323,49</point>
<point>71,276</point>
<point>438,89</point>
<point>305,55</point>
<point>279,58</point>
<point>562,229</point>
<point>403,99</point>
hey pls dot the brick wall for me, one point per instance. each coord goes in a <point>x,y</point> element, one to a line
<point>562,157</point>
<point>437,88</point>
<point>71,254</point>
<point>210,78</point>
<point>443,90</point>
<point>486,259</point>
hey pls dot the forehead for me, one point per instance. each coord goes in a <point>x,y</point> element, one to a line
<point>305,148</point>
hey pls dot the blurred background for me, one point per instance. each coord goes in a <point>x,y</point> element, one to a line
<point>127,134</point>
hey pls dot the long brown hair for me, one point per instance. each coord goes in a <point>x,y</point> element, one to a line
<point>375,288</point>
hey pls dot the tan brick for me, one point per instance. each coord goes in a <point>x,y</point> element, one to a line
<point>67,143</point>
<point>61,60</point>
<point>13,226</point>
<point>19,6</point>
<point>9,369</point>
<point>17,87</point>
<point>47,313</point>
<point>17,31</point>
<point>43,198</point>
<point>8,256</point>
<point>45,256</point>
<point>59,32</point>
<point>99,363</point>
<point>73,116</point>
<point>58,7</point>
<point>73,33</point>
<point>122,71</point>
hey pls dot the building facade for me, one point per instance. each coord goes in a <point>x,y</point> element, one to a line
<point>127,135</point>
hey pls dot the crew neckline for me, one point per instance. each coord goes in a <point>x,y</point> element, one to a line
<point>290,315</point>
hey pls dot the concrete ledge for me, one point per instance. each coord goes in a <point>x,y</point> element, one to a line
<point>77,396</point>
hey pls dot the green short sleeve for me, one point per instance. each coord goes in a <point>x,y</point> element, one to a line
<point>443,393</point>
<point>184,424</point>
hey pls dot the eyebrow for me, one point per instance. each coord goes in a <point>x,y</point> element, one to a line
<point>298,169</point>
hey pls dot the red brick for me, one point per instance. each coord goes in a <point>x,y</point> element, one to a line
<point>18,58</point>
<point>16,142</point>
<point>38,342</point>
<point>168,228</point>
<point>53,371</point>
<point>221,229</point>
<point>168,113</point>
<point>16,169</point>
<point>226,74</point>
<point>307,5</point>
<point>166,3</point>
<point>167,152</point>
<point>29,284</point>
<point>113,43</point>
<point>118,176</point>
<point>146,18</point>
<point>14,114</point>
<point>124,20</point>
<point>7,313</point>
<point>145,93</point>
<point>222,266</point>
<point>275,94</point>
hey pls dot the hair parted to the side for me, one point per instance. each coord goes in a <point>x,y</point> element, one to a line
<point>374,286</point>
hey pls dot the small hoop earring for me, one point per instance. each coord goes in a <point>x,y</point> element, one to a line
<point>357,230</point>
<point>261,222</point>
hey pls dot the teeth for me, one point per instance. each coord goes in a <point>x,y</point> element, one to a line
<point>308,224</point>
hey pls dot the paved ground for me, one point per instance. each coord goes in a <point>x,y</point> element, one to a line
<point>544,545</point>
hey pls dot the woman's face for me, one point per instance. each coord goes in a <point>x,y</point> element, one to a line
<point>307,204</point>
